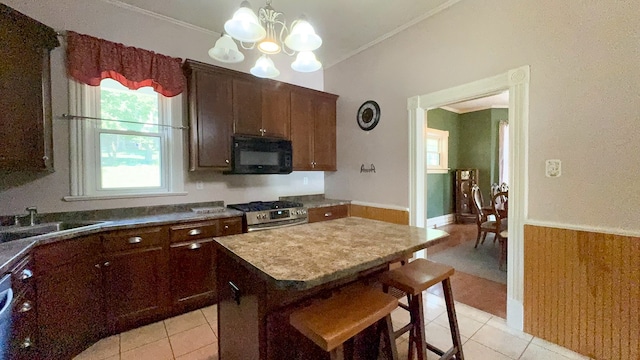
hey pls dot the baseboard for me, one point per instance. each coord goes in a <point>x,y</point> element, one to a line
<point>441,220</point>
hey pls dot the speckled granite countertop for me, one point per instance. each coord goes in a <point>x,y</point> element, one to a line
<point>305,256</point>
<point>11,251</point>
<point>315,201</point>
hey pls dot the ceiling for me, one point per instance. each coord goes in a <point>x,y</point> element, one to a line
<point>346,27</point>
<point>494,101</point>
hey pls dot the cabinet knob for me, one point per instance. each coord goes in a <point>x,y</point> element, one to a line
<point>226,227</point>
<point>26,343</point>
<point>195,232</point>
<point>97,266</point>
<point>327,214</point>
<point>26,274</point>
<point>106,264</point>
<point>195,246</point>
<point>227,161</point>
<point>26,306</point>
<point>45,158</point>
<point>135,240</point>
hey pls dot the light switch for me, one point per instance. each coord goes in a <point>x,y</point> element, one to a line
<point>553,168</point>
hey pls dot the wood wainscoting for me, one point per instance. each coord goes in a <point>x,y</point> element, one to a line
<point>376,213</point>
<point>582,291</point>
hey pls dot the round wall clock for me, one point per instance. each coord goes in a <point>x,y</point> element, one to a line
<point>368,115</point>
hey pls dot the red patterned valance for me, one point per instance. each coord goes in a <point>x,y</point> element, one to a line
<point>89,60</point>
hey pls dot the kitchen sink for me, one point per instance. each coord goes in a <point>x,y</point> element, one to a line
<point>10,233</point>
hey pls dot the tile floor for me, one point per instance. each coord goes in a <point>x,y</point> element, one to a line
<point>192,336</point>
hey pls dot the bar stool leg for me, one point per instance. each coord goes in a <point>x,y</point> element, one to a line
<point>453,321</point>
<point>337,353</point>
<point>386,327</point>
<point>417,336</point>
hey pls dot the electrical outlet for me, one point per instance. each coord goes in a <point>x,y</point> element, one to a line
<point>199,185</point>
<point>553,168</point>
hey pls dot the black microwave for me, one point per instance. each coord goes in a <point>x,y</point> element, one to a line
<point>258,155</point>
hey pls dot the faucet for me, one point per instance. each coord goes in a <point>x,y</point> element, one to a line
<point>32,214</point>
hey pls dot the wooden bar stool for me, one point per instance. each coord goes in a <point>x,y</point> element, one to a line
<point>412,279</point>
<point>331,322</point>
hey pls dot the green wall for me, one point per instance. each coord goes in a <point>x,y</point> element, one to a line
<point>473,143</point>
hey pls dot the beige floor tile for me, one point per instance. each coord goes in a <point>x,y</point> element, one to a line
<point>475,314</point>
<point>467,325</point>
<point>476,351</point>
<point>558,349</point>
<point>158,350</point>
<point>211,314</point>
<point>535,352</point>
<point>501,341</point>
<point>185,322</point>
<point>103,349</point>
<point>433,310</point>
<point>193,339</point>
<point>142,336</point>
<point>440,337</point>
<point>500,323</point>
<point>399,318</point>
<point>433,299</point>
<point>209,352</point>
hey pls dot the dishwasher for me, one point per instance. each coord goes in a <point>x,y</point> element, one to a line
<point>6,298</point>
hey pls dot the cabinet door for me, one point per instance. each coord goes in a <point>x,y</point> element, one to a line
<point>192,275</point>
<point>25,103</point>
<point>247,107</point>
<point>324,134</point>
<point>136,287</point>
<point>302,115</point>
<point>276,110</point>
<point>70,312</point>
<point>328,213</point>
<point>210,118</point>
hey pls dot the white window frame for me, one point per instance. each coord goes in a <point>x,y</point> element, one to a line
<point>84,100</point>
<point>443,150</point>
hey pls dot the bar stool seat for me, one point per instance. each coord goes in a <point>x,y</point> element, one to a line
<point>412,279</point>
<point>331,322</point>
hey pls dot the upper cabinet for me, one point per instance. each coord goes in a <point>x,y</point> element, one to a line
<point>25,104</point>
<point>313,130</point>
<point>224,102</point>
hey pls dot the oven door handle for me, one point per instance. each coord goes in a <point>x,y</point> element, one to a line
<point>271,227</point>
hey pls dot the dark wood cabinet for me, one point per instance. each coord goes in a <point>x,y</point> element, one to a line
<point>192,269</point>
<point>313,130</point>
<point>24,331</point>
<point>276,109</point>
<point>247,106</point>
<point>209,98</point>
<point>25,103</point>
<point>328,213</point>
<point>465,178</point>
<point>135,269</point>
<point>69,297</point>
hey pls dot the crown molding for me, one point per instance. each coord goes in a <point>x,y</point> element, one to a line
<point>160,17</point>
<point>394,32</point>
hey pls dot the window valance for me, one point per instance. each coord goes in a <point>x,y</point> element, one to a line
<point>90,59</point>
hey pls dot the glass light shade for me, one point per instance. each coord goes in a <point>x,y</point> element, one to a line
<point>226,50</point>
<point>245,26</point>
<point>303,37</point>
<point>269,46</point>
<point>264,68</point>
<point>306,62</point>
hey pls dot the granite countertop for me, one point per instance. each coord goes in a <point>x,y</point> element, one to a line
<point>11,251</point>
<point>305,256</point>
<point>315,201</point>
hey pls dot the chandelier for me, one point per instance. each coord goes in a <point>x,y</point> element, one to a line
<point>269,33</point>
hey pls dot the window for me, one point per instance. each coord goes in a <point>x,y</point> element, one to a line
<point>140,154</point>
<point>437,144</point>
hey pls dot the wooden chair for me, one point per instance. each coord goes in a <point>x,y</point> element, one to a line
<point>500,203</point>
<point>484,224</point>
<point>330,323</point>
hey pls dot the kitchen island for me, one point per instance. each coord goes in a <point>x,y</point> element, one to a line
<point>263,276</point>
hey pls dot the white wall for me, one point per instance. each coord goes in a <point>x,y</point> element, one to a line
<point>105,20</point>
<point>584,101</point>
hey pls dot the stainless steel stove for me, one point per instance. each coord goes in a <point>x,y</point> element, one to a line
<point>265,215</point>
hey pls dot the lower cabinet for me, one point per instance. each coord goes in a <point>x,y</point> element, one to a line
<point>192,275</point>
<point>69,297</point>
<point>328,213</point>
<point>24,329</point>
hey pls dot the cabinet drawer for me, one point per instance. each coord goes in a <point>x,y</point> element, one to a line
<point>230,226</point>
<point>328,213</point>
<point>22,275</point>
<point>49,257</point>
<point>194,231</point>
<point>133,239</point>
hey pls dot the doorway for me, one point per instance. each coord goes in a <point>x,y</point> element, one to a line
<point>516,81</point>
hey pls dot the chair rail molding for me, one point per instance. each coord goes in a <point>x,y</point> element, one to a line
<point>517,82</point>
